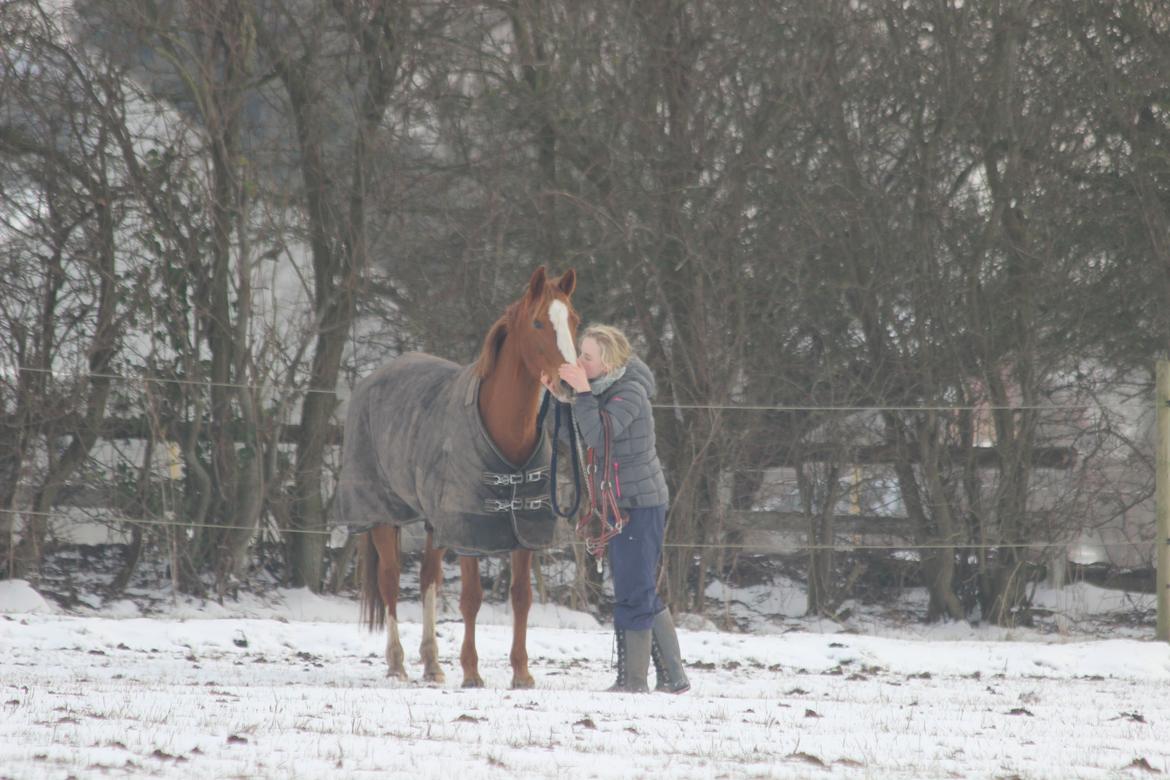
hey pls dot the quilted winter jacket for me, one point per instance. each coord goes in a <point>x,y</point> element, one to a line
<point>637,470</point>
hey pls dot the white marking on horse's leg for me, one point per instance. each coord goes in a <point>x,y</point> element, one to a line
<point>429,647</point>
<point>394,655</point>
<point>558,312</point>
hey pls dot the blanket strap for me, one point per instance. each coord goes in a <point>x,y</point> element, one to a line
<point>516,504</point>
<point>495,479</point>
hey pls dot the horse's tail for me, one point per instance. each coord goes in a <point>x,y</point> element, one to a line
<point>373,608</point>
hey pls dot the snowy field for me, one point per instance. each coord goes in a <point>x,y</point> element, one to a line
<point>290,687</point>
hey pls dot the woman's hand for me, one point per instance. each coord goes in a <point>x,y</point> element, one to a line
<point>575,376</point>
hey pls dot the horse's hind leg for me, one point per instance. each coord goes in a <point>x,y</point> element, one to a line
<point>389,567</point>
<point>470,599</point>
<point>521,602</point>
<point>429,578</point>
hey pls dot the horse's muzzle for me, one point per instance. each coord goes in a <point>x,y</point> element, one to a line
<point>565,393</point>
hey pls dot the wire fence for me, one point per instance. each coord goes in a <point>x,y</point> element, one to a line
<point>148,380</point>
<point>667,404</point>
<point>755,548</point>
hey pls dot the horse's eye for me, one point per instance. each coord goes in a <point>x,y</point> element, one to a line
<point>537,324</point>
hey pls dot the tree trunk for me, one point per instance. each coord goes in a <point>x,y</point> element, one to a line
<point>819,498</point>
<point>337,235</point>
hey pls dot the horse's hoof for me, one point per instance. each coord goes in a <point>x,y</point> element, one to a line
<point>435,676</point>
<point>473,682</point>
<point>520,683</point>
<point>397,674</point>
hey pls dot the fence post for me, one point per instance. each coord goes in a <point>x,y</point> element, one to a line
<point>1162,498</point>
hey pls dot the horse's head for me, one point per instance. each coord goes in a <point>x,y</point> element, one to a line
<point>546,327</point>
<point>541,327</point>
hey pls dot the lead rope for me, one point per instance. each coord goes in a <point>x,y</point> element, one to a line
<point>574,452</point>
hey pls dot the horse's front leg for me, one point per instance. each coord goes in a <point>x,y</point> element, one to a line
<point>429,579</point>
<point>521,602</point>
<point>470,599</point>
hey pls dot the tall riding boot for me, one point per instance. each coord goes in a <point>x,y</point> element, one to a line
<point>633,661</point>
<point>668,664</point>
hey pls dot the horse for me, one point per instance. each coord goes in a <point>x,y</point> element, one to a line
<point>407,458</point>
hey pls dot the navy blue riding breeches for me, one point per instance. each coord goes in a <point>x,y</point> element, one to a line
<point>633,558</point>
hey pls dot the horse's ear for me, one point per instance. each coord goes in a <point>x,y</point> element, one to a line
<point>568,282</point>
<point>491,348</point>
<point>537,282</point>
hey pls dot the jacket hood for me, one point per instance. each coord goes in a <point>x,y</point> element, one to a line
<point>637,371</point>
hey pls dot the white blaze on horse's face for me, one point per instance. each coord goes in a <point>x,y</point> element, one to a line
<point>558,312</point>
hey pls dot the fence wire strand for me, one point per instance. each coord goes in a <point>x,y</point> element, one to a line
<point>666,405</point>
<point>761,550</point>
<point>146,380</point>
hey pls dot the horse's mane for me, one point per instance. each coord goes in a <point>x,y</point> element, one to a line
<point>493,342</point>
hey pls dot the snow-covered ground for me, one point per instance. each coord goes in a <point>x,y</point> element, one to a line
<point>289,686</point>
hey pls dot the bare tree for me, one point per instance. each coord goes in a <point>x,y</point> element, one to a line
<point>62,195</point>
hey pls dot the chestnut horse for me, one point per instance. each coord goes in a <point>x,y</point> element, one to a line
<point>535,335</point>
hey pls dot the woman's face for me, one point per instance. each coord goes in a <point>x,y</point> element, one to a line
<point>591,358</point>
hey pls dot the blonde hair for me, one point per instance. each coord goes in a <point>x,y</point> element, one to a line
<point>614,346</point>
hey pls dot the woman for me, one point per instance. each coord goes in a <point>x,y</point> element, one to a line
<point>610,381</point>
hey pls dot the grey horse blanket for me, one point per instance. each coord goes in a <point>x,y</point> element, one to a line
<point>416,450</point>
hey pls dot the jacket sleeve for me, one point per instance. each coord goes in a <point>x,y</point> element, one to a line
<point>623,407</point>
